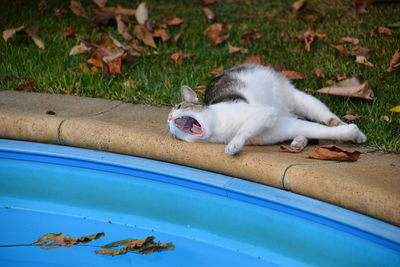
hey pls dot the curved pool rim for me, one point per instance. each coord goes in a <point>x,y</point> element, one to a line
<point>313,210</point>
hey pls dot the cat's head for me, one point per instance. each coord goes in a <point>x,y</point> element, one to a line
<point>187,120</point>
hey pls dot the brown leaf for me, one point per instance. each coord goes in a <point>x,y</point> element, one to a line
<point>381,30</point>
<point>69,32</point>
<point>214,31</point>
<point>151,25</point>
<point>201,89</point>
<point>394,62</point>
<point>255,59</point>
<point>363,60</point>
<point>360,6</point>
<point>308,38</point>
<point>333,152</point>
<point>47,238</point>
<point>292,75</point>
<point>357,51</point>
<point>352,118</point>
<point>352,87</point>
<point>217,70</point>
<point>298,4</point>
<point>79,49</point>
<point>306,12</point>
<point>349,40</point>
<point>250,36</point>
<point>123,28</point>
<point>280,66</point>
<point>208,12</point>
<point>35,38</point>
<point>104,14</point>
<point>283,148</point>
<point>135,45</point>
<point>7,34</point>
<point>161,33</point>
<point>115,66</point>
<point>144,35</point>
<point>174,21</point>
<point>233,49</point>
<point>319,73</point>
<point>77,8</point>
<point>179,56</point>
<point>25,84</point>
<point>341,49</point>
<point>100,3</point>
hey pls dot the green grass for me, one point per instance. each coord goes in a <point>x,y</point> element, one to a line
<point>158,78</point>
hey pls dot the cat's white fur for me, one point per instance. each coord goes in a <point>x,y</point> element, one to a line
<point>273,114</point>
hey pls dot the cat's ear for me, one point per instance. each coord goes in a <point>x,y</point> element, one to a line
<point>188,95</point>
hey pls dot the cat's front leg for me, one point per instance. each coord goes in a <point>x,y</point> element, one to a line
<point>258,118</point>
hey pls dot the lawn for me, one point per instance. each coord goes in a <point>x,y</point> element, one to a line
<point>154,78</point>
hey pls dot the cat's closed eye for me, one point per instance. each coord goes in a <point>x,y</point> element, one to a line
<point>178,106</point>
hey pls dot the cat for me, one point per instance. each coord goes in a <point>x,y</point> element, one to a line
<point>254,105</point>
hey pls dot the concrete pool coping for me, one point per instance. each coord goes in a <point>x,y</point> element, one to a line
<point>369,186</point>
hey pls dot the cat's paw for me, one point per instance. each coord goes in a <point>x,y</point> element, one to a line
<point>299,143</point>
<point>234,146</point>
<point>334,122</point>
<point>356,135</point>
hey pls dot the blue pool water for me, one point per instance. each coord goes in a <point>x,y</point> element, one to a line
<point>213,220</point>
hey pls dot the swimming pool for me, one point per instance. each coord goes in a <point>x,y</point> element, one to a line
<point>212,219</point>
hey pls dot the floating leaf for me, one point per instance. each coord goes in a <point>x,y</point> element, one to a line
<point>47,238</point>
<point>86,239</point>
<point>333,152</point>
<point>58,241</point>
<point>142,14</point>
<point>77,9</point>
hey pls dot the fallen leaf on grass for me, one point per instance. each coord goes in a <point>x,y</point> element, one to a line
<point>201,89</point>
<point>217,70</point>
<point>143,34</point>
<point>36,39</point>
<point>349,40</point>
<point>123,27</point>
<point>25,84</point>
<point>100,3</point>
<point>7,34</point>
<point>142,14</point>
<point>351,118</point>
<point>381,30</point>
<point>233,49</point>
<point>283,148</point>
<point>69,32</point>
<point>255,59</point>
<point>318,73</point>
<point>128,84</point>
<point>333,152</point>
<point>308,38</point>
<point>142,246</point>
<point>394,62</point>
<point>174,21</point>
<point>363,60</point>
<point>104,14</point>
<point>395,109</point>
<point>353,87</point>
<point>360,6</point>
<point>208,12</point>
<point>79,49</point>
<point>135,45</point>
<point>280,66</point>
<point>306,12</point>
<point>161,33</point>
<point>58,12</point>
<point>214,32</point>
<point>292,75</point>
<point>250,36</point>
<point>77,9</point>
<point>179,56</point>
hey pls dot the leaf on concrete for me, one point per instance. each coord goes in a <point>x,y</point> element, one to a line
<point>352,118</point>
<point>215,33</point>
<point>353,87</point>
<point>250,36</point>
<point>35,38</point>
<point>179,56</point>
<point>233,49</point>
<point>173,21</point>
<point>69,32</point>
<point>394,62</point>
<point>7,34</point>
<point>308,38</point>
<point>142,14</point>
<point>77,9</point>
<point>87,239</point>
<point>208,12</point>
<point>333,152</point>
<point>292,75</point>
<point>283,148</point>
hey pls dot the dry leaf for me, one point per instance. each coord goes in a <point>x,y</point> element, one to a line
<point>77,8</point>
<point>298,4</point>
<point>352,87</point>
<point>7,34</point>
<point>67,241</point>
<point>144,35</point>
<point>283,148</point>
<point>151,25</point>
<point>385,118</point>
<point>79,49</point>
<point>306,12</point>
<point>100,3</point>
<point>179,56</point>
<point>333,152</point>
<point>217,70</point>
<point>250,36</point>
<point>58,12</point>
<point>308,38</point>
<point>69,32</point>
<point>352,118</point>
<point>128,84</point>
<point>47,238</point>
<point>394,62</point>
<point>123,28</point>
<point>208,12</point>
<point>142,14</point>
<point>25,84</point>
<point>36,39</point>
<point>214,31</point>
<point>360,6</point>
<point>104,14</point>
<point>292,75</point>
<point>363,60</point>
<point>349,40</point>
<point>233,49</point>
<point>381,30</point>
<point>208,2</point>
<point>357,51</point>
<point>161,33</point>
<point>135,45</point>
<point>201,89</point>
<point>255,59</point>
<point>279,66</point>
<point>174,21</point>
<point>319,73</point>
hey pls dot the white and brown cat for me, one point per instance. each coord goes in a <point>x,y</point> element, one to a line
<point>254,105</point>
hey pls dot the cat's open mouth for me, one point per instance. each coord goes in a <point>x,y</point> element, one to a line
<point>189,125</point>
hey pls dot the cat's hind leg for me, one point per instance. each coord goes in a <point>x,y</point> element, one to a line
<point>299,143</point>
